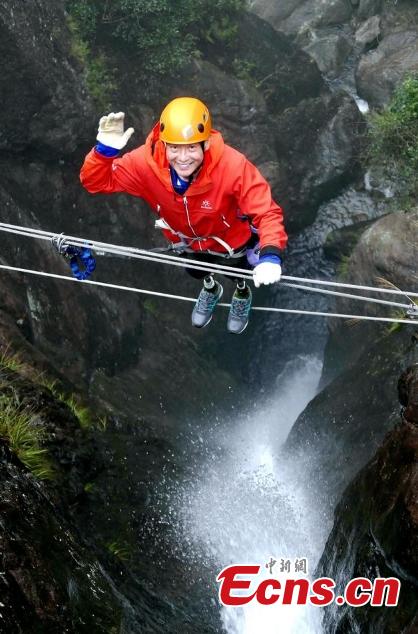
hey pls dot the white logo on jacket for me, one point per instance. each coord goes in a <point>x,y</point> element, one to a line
<point>206,204</point>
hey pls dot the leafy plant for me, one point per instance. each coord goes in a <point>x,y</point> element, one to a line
<point>84,415</point>
<point>393,139</point>
<point>99,76</point>
<point>164,35</point>
<point>81,412</point>
<point>102,423</point>
<point>151,306</point>
<point>24,439</point>
<point>119,549</point>
<point>343,266</point>
<point>11,360</point>
<point>244,69</point>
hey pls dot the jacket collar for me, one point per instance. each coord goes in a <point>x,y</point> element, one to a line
<point>155,157</point>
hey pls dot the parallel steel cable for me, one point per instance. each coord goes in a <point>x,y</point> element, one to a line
<point>346,295</point>
<point>191,299</point>
<point>206,266</point>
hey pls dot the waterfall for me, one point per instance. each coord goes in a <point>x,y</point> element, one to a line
<point>247,503</point>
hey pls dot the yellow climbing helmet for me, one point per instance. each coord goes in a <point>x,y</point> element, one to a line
<point>185,120</point>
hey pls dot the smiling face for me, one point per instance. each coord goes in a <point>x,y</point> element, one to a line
<point>185,159</point>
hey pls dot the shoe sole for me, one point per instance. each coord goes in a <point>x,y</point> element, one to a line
<point>237,332</point>
<point>210,318</point>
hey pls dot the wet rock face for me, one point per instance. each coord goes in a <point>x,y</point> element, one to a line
<point>369,31</point>
<point>346,422</point>
<point>301,15</point>
<point>381,70</point>
<point>330,53</point>
<point>275,12</point>
<point>43,102</point>
<point>367,8</point>
<point>319,152</point>
<point>284,75</point>
<point>376,527</point>
<point>340,243</point>
<point>408,393</point>
<point>59,571</point>
<point>348,419</point>
<point>385,251</point>
<point>48,581</point>
<point>376,38</point>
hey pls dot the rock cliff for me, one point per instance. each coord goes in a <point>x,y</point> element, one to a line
<point>355,417</point>
<point>369,45</point>
<point>357,406</point>
<point>376,526</point>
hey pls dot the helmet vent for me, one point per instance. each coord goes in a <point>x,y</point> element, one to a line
<point>201,127</point>
<point>162,126</point>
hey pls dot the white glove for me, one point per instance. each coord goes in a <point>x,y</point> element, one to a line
<point>111,131</point>
<point>266,273</point>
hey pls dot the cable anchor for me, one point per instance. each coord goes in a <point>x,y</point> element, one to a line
<point>81,260</point>
<point>412,311</point>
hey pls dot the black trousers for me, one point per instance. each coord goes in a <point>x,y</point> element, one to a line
<point>240,263</point>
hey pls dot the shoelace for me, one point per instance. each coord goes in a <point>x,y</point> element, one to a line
<point>207,301</point>
<point>240,307</point>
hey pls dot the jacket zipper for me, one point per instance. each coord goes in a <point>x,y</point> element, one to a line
<point>186,207</point>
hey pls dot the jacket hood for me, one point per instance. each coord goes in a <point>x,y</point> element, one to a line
<point>155,156</point>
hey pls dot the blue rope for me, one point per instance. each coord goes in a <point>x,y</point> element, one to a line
<point>87,261</point>
<point>82,262</point>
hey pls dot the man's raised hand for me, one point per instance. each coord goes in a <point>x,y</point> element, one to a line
<point>111,131</point>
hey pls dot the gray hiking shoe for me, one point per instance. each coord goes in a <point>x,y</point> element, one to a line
<point>205,305</point>
<point>239,313</point>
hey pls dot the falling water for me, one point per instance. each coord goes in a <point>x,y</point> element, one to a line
<point>245,504</point>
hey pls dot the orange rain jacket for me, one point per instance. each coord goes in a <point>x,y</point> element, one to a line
<point>227,195</point>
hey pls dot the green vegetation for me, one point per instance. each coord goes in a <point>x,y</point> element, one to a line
<point>343,266</point>
<point>17,428</point>
<point>244,69</point>
<point>162,35</point>
<point>98,74</point>
<point>11,361</point>
<point>102,423</point>
<point>150,305</point>
<point>81,412</point>
<point>89,487</point>
<point>395,326</point>
<point>393,140</point>
<point>119,549</point>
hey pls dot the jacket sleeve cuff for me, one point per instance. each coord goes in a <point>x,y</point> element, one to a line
<point>106,150</point>
<point>271,250</point>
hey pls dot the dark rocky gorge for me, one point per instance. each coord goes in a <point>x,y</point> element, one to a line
<point>92,549</point>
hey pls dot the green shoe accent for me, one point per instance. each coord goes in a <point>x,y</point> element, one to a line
<point>239,313</point>
<point>205,305</point>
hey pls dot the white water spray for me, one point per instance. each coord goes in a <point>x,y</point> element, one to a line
<point>247,506</point>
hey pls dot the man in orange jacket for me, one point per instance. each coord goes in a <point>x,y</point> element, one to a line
<point>211,202</point>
